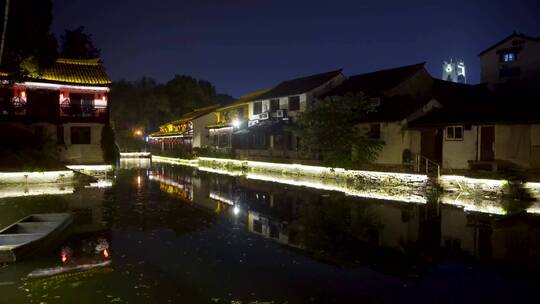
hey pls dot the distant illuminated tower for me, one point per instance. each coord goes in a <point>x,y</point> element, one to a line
<point>454,71</point>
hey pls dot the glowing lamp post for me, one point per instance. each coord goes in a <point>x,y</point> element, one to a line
<point>236,123</point>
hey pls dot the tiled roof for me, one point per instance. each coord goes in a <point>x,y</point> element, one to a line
<point>244,99</point>
<point>196,114</point>
<point>513,35</point>
<point>299,85</point>
<point>376,83</point>
<point>76,71</point>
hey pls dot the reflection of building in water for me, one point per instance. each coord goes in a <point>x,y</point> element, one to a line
<point>182,188</point>
<point>86,205</point>
<point>271,228</point>
<point>19,190</point>
<point>135,163</point>
<point>289,215</point>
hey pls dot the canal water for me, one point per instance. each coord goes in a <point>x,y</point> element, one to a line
<point>174,234</point>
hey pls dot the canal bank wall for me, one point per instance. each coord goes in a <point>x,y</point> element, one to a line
<point>414,184</point>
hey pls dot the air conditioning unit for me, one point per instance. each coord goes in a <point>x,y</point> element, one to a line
<point>264,116</point>
<point>252,123</point>
<point>281,113</point>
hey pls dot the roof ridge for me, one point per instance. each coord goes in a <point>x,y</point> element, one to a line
<point>420,64</point>
<point>313,75</point>
<point>93,61</point>
<point>514,34</point>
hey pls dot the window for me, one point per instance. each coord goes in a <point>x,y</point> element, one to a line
<point>454,133</point>
<point>374,131</point>
<point>80,135</point>
<point>257,108</point>
<point>294,103</point>
<point>509,57</point>
<point>274,105</point>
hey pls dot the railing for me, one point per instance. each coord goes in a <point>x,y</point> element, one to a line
<point>82,111</point>
<point>424,164</point>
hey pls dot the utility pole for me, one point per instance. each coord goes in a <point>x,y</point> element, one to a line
<point>4,28</point>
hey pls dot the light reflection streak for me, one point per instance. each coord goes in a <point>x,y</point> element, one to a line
<point>471,205</point>
<point>35,177</point>
<point>377,193</point>
<point>20,190</point>
<point>222,199</point>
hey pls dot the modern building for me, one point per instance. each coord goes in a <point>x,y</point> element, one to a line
<point>515,59</point>
<point>454,71</point>
<point>66,104</point>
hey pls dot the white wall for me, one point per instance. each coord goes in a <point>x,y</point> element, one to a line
<point>82,154</point>
<point>200,131</point>
<point>396,139</point>
<point>457,153</point>
<point>528,61</point>
<point>513,143</point>
<point>283,104</point>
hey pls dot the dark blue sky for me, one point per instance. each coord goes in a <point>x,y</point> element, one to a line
<point>242,45</point>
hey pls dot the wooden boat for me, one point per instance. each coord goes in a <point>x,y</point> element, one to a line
<point>30,234</point>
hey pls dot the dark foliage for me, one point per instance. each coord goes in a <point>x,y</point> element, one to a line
<point>28,36</point>
<point>329,128</point>
<point>77,44</point>
<point>144,104</point>
<point>111,153</point>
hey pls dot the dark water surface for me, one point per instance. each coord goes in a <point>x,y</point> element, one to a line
<point>177,235</point>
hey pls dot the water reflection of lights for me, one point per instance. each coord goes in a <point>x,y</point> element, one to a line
<point>236,210</point>
<point>220,171</point>
<point>20,190</point>
<point>134,154</point>
<point>173,187</point>
<point>377,193</point>
<point>35,177</point>
<point>220,198</point>
<point>471,205</point>
<point>131,163</point>
<point>469,182</point>
<point>138,180</point>
<point>175,161</point>
<point>91,167</point>
<point>102,183</point>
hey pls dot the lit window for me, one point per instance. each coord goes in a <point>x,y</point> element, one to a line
<point>257,108</point>
<point>454,133</point>
<point>509,57</point>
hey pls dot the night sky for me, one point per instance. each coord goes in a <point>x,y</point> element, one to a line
<point>241,46</point>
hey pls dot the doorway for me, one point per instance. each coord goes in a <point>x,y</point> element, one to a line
<point>487,143</point>
<point>431,144</point>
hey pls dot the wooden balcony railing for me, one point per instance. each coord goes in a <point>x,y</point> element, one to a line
<point>83,111</point>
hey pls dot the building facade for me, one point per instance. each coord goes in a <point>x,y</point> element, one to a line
<point>269,114</point>
<point>515,59</point>
<point>66,105</point>
<point>181,136</point>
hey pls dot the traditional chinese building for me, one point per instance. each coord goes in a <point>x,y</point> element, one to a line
<point>66,104</point>
<point>229,119</point>
<point>182,135</point>
<point>265,134</point>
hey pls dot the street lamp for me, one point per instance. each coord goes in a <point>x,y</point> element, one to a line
<point>236,123</point>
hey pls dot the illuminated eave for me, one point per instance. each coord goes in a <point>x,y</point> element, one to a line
<point>53,86</point>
